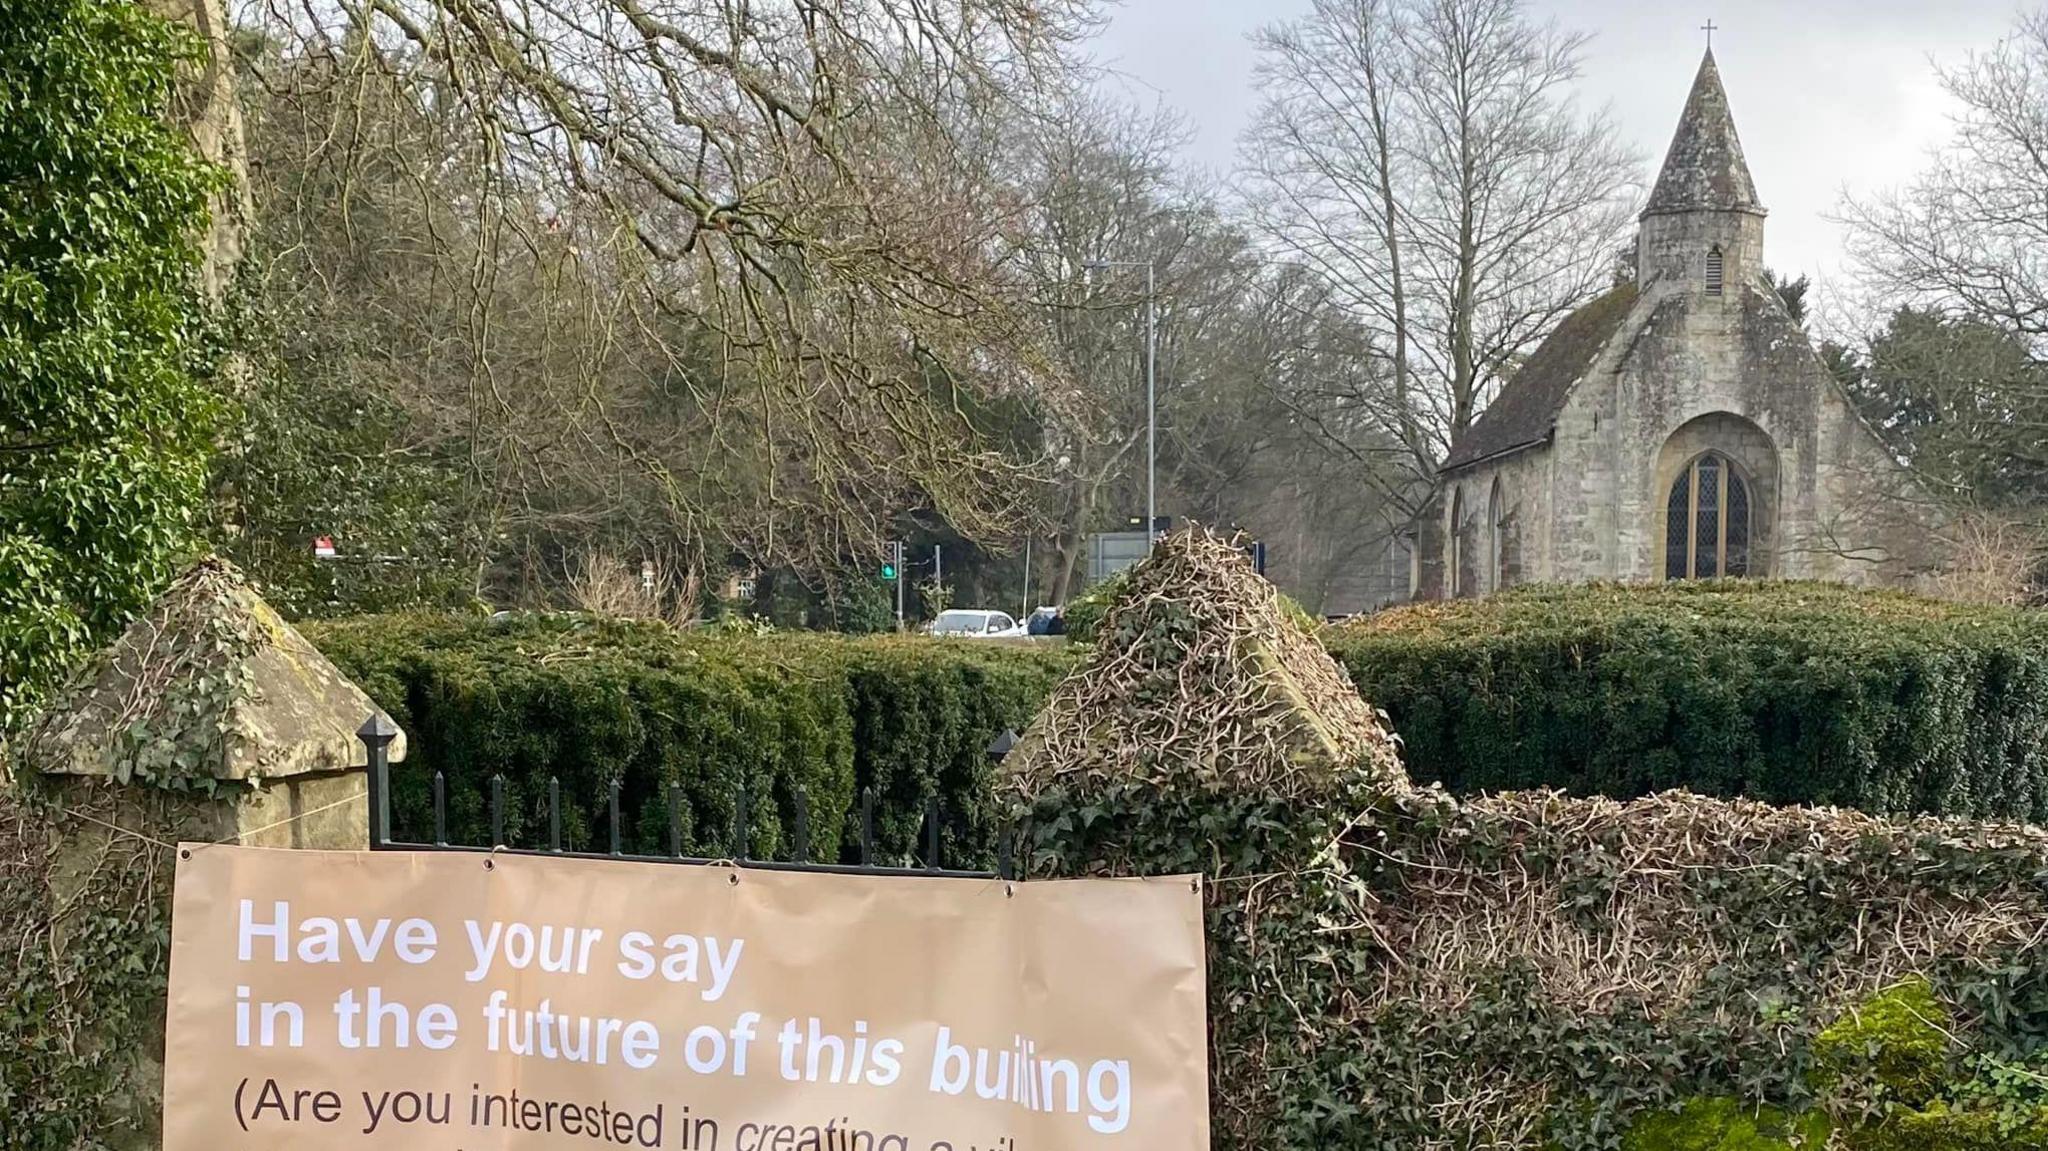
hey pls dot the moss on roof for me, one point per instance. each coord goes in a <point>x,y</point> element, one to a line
<point>1527,407</point>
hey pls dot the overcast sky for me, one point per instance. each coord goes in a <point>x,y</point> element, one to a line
<point>1828,94</point>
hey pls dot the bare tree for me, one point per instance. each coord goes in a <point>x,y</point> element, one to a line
<point>1260,373</point>
<point>1970,234</point>
<point>1957,262</point>
<point>761,249</point>
<point>1424,157</point>
<point>1098,183</point>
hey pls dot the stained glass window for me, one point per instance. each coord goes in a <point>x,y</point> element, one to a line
<point>1708,521</point>
<point>1496,539</point>
<point>1455,554</point>
<point>1677,537</point>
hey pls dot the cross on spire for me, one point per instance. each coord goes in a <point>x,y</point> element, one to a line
<point>1709,28</point>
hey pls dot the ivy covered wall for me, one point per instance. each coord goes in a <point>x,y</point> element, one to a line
<point>107,417</point>
<point>1391,967</point>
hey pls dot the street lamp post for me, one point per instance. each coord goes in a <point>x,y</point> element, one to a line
<point>1151,386</point>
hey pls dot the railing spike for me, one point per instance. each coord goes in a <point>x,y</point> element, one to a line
<point>440,809</point>
<point>675,820</point>
<point>803,825</point>
<point>617,845</point>
<point>740,847</point>
<point>498,810</point>
<point>867,826</point>
<point>554,814</point>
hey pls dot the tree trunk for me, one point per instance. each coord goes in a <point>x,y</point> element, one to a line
<point>211,117</point>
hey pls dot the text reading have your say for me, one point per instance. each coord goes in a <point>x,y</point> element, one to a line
<point>702,960</point>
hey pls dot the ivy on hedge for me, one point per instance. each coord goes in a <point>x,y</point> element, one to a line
<point>584,702</point>
<point>1310,1049</point>
<point>1786,692</point>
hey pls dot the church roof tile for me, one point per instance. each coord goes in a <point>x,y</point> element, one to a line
<point>1527,407</point>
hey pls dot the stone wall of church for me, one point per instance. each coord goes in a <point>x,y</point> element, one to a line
<point>1673,248</point>
<point>1734,373</point>
<point>1687,374</point>
<point>1512,491</point>
<point>1587,466</point>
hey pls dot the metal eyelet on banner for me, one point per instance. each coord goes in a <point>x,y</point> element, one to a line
<point>734,879</point>
<point>1009,891</point>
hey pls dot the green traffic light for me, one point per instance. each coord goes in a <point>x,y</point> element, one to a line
<point>888,571</point>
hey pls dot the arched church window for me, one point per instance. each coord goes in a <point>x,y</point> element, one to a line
<point>1708,521</point>
<point>1496,539</point>
<point>1454,554</point>
<point>1714,270</point>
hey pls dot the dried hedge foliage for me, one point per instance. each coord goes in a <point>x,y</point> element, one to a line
<point>1391,967</point>
<point>1199,671</point>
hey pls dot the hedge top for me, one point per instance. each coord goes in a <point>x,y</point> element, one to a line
<point>1730,603</point>
<point>1199,675</point>
<point>1788,692</point>
<point>208,684</point>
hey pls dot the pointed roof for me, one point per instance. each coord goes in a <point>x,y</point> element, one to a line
<point>1704,170</point>
<point>209,683</point>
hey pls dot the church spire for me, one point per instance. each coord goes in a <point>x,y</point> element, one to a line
<point>1704,170</point>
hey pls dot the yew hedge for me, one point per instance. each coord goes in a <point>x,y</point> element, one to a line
<point>1785,692</point>
<point>538,697</point>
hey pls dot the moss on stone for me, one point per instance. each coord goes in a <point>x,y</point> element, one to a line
<point>1937,1127</point>
<point>1720,1124</point>
<point>1895,1045</point>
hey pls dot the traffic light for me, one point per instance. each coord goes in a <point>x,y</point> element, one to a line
<point>889,569</point>
<point>891,560</point>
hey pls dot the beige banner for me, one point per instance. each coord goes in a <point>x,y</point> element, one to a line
<point>458,1001</point>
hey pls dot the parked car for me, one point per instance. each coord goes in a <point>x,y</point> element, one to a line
<point>962,623</point>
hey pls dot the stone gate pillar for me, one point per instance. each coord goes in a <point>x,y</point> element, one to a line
<point>210,719</point>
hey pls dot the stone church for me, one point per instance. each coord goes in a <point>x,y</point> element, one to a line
<point>1679,426</point>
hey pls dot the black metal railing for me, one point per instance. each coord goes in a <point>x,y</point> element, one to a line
<point>378,732</point>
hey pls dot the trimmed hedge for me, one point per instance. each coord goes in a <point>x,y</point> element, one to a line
<point>1786,692</point>
<point>583,702</point>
